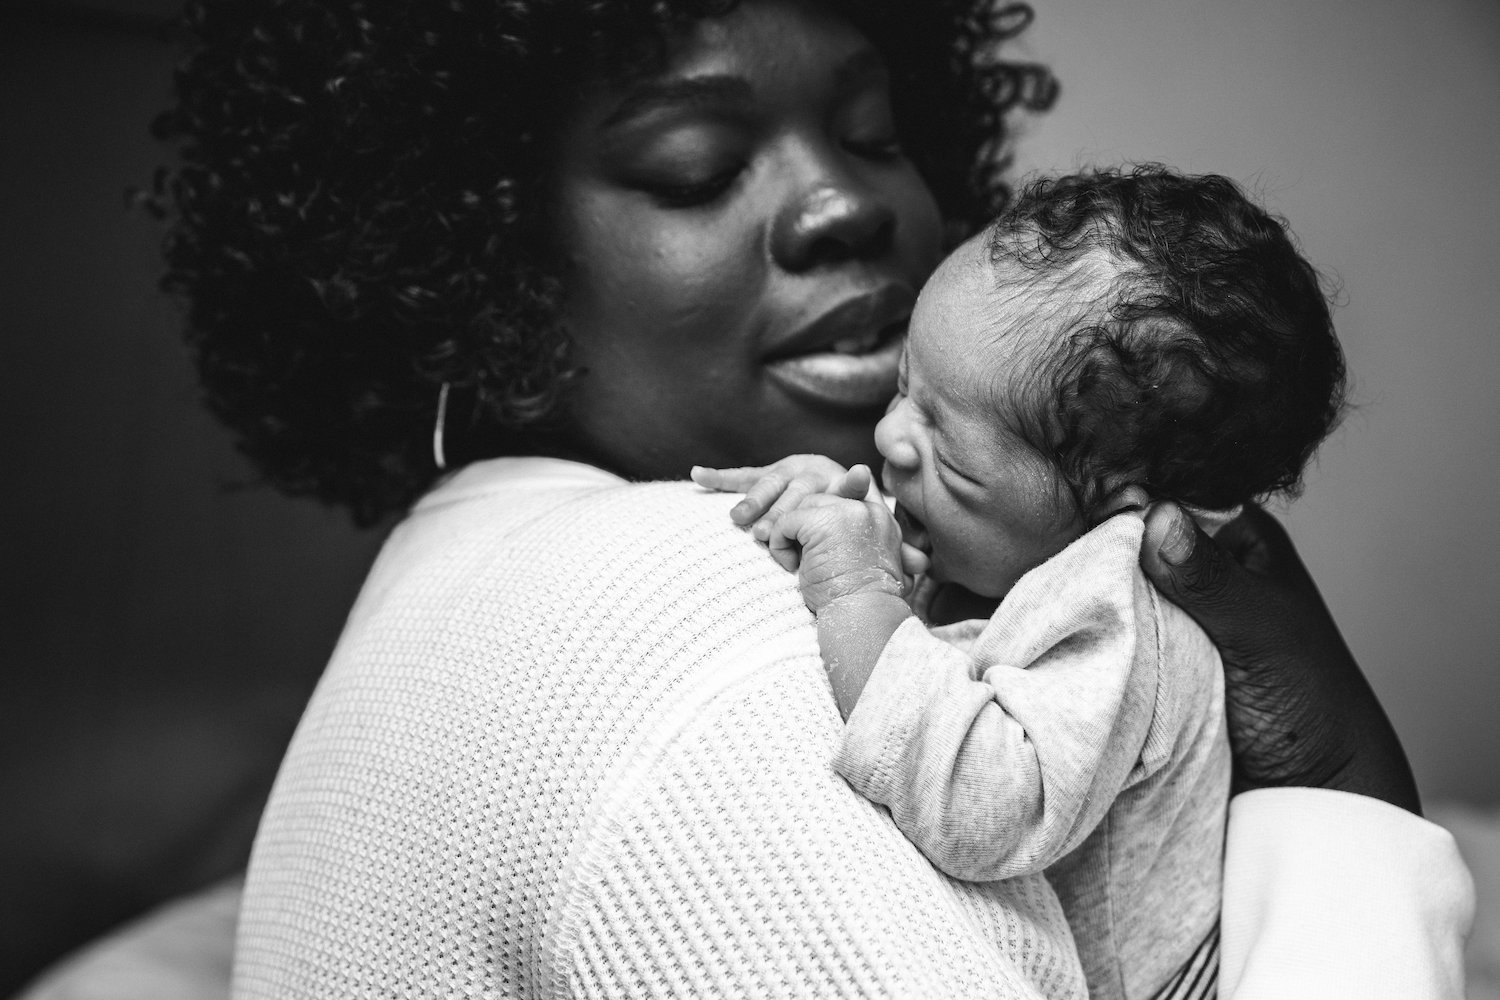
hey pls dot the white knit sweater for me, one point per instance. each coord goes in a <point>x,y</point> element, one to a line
<point>576,741</point>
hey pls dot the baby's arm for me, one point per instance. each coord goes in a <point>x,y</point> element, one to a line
<point>849,567</point>
<point>832,528</point>
<point>992,770</point>
<point>999,761</point>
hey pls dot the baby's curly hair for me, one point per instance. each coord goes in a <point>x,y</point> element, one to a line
<point>357,211</point>
<point>1205,368</point>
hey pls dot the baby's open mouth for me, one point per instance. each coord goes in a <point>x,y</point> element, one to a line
<point>913,531</point>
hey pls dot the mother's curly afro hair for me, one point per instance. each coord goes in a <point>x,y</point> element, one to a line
<point>357,210</point>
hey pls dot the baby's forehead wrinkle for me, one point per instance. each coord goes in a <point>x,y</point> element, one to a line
<point>1090,268</point>
<point>1033,315</point>
<point>1020,319</point>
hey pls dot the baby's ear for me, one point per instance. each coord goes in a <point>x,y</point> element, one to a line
<point>1127,497</point>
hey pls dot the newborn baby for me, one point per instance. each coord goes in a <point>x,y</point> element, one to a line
<point>1114,338</point>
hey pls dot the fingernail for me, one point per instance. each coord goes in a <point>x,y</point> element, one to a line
<point>1178,543</point>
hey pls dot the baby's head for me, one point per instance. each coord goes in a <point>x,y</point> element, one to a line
<point>1113,337</point>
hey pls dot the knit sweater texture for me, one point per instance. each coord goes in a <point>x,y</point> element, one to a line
<point>577,740</point>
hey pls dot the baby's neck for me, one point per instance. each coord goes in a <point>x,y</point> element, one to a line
<point>951,603</point>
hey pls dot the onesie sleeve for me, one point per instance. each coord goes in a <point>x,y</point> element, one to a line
<point>998,761</point>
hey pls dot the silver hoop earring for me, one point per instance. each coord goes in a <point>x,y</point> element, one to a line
<point>438,457</point>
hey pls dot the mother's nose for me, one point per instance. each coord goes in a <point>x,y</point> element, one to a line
<point>831,221</point>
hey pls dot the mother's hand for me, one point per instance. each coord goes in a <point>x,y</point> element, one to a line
<point>1300,711</point>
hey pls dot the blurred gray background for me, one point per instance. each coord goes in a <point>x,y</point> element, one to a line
<point>161,624</point>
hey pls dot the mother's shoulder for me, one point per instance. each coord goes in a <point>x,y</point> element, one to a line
<point>678,518</point>
<point>556,509</point>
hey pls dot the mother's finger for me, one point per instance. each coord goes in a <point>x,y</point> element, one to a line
<point>1185,564</point>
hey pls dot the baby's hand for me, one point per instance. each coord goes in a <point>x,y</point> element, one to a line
<point>772,490</point>
<point>841,542</point>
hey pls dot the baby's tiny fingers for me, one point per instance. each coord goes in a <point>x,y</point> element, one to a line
<point>759,496</point>
<point>914,562</point>
<point>784,549</point>
<point>789,558</point>
<point>854,484</point>
<point>796,493</point>
<point>726,480</point>
<point>815,500</point>
<point>799,492</point>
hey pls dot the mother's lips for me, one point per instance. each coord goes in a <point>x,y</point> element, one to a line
<point>847,356</point>
<point>847,380</point>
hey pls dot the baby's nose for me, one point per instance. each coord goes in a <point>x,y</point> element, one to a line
<point>893,442</point>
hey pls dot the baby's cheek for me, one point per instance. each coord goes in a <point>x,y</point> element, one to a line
<point>1044,510</point>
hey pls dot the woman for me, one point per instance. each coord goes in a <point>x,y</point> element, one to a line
<point>574,739</point>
